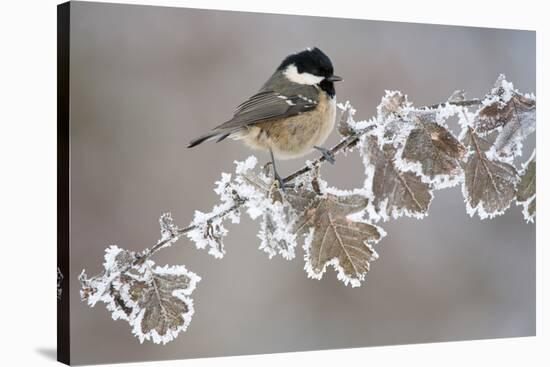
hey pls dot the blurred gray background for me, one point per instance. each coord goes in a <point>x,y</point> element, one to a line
<point>145,80</point>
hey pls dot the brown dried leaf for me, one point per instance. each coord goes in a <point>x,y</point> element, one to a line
<point>392,105</point>
<point>334,239</point>
<point>499,113</point>
<point>526,189</point>
<point>435,149</point>
<point>509,112</point>
<point>344,127</point>
<point>458,95</point>
<point>393,192</point>
<point>532,208</point>
<point>153,300</point>
<point>489,185</point>
<point>300,198</point>
<point>527,186</point>
<point>160,295</point>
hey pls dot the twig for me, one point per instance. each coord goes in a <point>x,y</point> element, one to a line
<point>465,103</point>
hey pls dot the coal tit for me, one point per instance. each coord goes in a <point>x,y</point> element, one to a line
<point>292,113</point>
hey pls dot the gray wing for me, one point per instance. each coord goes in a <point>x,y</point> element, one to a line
<point>264,105</point>
<point>268,105</point>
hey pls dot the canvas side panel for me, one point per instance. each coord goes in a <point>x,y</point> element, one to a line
<point>63,218</point>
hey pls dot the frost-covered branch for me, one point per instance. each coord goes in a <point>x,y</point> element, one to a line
<point>408,153</point>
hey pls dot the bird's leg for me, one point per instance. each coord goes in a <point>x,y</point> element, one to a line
<point>329,156</point>
<point>279,179</point>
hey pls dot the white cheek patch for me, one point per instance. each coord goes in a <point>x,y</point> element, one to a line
<point>292,74</point>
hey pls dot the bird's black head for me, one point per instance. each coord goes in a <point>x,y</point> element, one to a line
<point>311,67</point>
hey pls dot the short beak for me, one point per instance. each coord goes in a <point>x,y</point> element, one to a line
<point>334,78</point>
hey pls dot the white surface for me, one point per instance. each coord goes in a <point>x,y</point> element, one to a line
<point>28,185</point>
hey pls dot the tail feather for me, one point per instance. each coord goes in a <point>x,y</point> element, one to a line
<point>203,138</point>
<point>222,137</point>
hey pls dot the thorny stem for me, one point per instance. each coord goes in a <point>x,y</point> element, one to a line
<point>345,143</point>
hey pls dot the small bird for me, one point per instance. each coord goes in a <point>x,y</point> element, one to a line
<point>292,113</point>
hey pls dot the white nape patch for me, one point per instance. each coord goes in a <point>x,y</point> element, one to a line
<point>292,74</point>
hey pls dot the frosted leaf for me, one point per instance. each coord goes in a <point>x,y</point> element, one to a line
<point>393,131</point>
<point>208,233</point>
<point>153,300</point>
<point>526,189</point>
<point>276,236</point>
<point>261,199</point>
<point>458,95</point>
<point>432,152</point>
<point>228,199</point>
<point>332,237</point>
<point>393,104</point>
<point>393,193</point>
<point>510,113</point>
<point>346,123</point>
<point>304,193</point>
<point>489,185</point>
<point>96,288</point>
<point>276,232</point>
<point>168,230</point>
<point>523,122</point>
<point>495,106</point>
<point>209,229</point>
<point>529,210</point>
<point>158,300</point>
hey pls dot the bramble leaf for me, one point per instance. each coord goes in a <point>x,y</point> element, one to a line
<point>158,299</point>
<point>392,192</point>
<point>434,150</point>
<point>153,300</point>
<point>489,185</point>
<point>392,105</point>
<point>510,113</point>
<point>333,238</point>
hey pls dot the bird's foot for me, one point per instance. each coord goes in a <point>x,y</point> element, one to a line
<point>329,156</point>
<point>281,183</point>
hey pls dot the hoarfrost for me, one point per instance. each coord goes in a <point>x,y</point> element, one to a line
<point>208,232</point>
<point>407,152</point>
<point>526,189</point>
<point>168,230</point>
<point>153,300</point>
<point>511,114</point>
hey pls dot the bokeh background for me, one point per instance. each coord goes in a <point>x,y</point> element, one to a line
<point>145,80</point>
